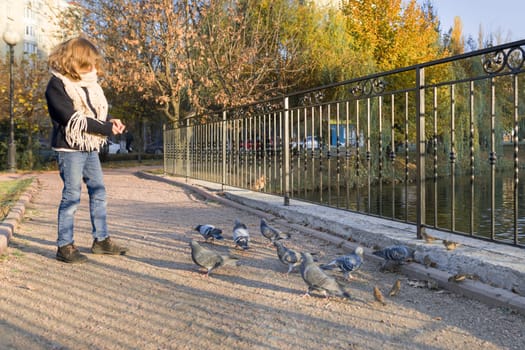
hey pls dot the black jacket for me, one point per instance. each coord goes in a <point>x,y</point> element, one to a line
<point>60,107</point>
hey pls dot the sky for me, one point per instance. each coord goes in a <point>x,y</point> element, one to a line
<point>504,16</point>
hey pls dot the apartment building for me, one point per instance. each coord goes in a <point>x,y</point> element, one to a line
<point>35,21</point>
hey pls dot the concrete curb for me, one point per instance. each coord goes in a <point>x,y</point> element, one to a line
<point>319,224</point>
<point>15,215</point>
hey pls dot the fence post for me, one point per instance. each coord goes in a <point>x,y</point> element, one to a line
<point>164,157</point>
<point>224,144</point>
<point>286,149</point>
<point>421,151</point>
<point>188,149</point>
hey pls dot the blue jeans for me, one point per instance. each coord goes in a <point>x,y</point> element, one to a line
<point>74,168</point>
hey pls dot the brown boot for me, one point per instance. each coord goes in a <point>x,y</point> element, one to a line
<point>70,254</point>
<point>107,246</point>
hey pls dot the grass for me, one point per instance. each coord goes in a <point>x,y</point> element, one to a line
<point>115,163</point>
<point>10,191</point>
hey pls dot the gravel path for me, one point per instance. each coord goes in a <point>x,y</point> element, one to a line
<point>156,298</point>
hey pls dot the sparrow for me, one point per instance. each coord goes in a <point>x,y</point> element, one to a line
<point>379,296</point>
<point>450,245</point>
<point>395,288</point>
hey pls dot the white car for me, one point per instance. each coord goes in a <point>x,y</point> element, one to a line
<point>311,142</point>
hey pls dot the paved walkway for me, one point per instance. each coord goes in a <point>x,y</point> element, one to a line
<point>154,298</point>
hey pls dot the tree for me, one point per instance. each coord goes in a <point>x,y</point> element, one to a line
<point>457,41</point>
<point>394,33</point>
<point>29,106</point>
<point>144,43</point>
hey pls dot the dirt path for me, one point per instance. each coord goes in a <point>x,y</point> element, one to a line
<point>156,298</point>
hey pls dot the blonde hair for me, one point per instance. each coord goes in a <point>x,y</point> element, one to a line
<point>75,55</point>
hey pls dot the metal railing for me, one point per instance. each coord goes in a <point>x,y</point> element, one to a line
<point>435,144</point>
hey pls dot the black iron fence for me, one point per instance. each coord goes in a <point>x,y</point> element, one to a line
<point>435,144</point>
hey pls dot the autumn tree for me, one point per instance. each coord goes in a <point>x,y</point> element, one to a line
<point>144,43</point>
<point>29,107</point>
<point>457,40</point>
<point>244,51</point>
<point>394,33</point>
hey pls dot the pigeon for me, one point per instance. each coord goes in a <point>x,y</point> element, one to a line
<point>347,263</point>
<point>317,279</point>
<point>398,254</point>
<point>241,236</point>
<point>379,296</point>
<point>427,261</point>
<point>395,288</point>
<point>207,258</point>
<point>272,233</point>
<point>287,256</point>
<point>209,231</point>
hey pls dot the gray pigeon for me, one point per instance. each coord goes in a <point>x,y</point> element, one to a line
<point>347,263</point>
<point>272,233</point>
<point>241,236</point>
<point>287,256</point>
<point>398,254</point>
<point>209,231</point>
<point>207,258</point>
<point>317,279</point>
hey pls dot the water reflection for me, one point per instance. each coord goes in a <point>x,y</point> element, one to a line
<point>457,205</point>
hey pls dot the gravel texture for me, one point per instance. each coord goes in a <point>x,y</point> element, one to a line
<point>155,297</point>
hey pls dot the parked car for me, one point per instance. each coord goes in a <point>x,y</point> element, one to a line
<point>250,145</point>
<point>156,147</point>
<point>113,147</point>
<point>309,142</point>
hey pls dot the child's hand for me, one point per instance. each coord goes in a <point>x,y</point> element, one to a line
<point>118,126</point>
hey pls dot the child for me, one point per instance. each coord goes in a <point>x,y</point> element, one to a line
<point>78,109</point>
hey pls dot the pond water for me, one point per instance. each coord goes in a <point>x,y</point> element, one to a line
<point>456,205</point>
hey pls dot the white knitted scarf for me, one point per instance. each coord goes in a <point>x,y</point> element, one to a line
<point>75,131</point>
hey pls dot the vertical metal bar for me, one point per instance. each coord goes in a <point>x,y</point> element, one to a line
<point>276,162</point>
<point>452,157</point>
<point>380,153</point>
<point>237,149</point>
<point>224,145</point>
<point>328,160</point>
<point>320,153</point>
<point>188,163</point>
<point>368,155</point>
<point>215,153</point>
<point>165,153</point>
<point>492,158</point>
<point>516,159</point>
<point>286,149</point>
<point>293,178</point>
<point>347,154</point>
<point>392,155</point>
<point>302,147</point>
<point>245,155</point>
<point>357,156</point>
<point>406,155</point>
<point>205,149</point>
<point>420,140</point>
<point>266,132</point>
<point>435,159</point>
<point>472,170</point>
<point>338,162</point>
<point>279,125</point>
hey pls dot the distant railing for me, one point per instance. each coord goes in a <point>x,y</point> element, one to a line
<point>435,144</point>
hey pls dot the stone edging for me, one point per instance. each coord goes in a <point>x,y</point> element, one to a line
<point>15,215</point>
